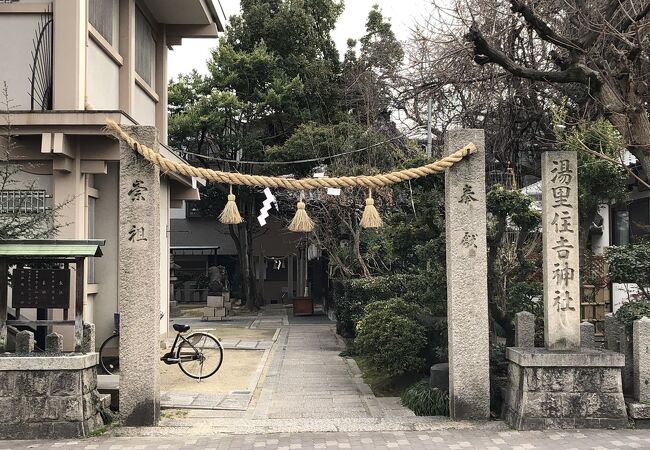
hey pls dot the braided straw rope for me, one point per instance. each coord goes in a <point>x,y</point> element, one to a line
<point>368,181</point>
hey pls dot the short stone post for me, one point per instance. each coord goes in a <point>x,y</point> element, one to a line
<point>587,335</point>
<point>616,338</point>
<point>24,342</point>
<point>613,329</point>
<point>641,341</point>
<point>54,343</point>
<point>524,329</point>
<point>139,282</point>
<point>88,342</point>
<point>561,251</point>
<point>467,306</point>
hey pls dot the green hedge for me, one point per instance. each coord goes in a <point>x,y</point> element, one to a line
<point>390,337</point>
<point>427,289</point>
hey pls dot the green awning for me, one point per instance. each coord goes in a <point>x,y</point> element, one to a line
<point>51,248</point>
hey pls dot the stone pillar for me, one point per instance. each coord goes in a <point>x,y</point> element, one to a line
<point>641,341</point>
<point>524,329</point>
<point>139,282</point>
<point>587,338</point>
<point>561,251</point>
<point>88,343</point>
<point>54,343</point>
<point>613,332</point>
<point>618,340</point>
<point>24,342</point>
<point>467,306</point>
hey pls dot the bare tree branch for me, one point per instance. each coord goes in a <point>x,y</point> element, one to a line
<point>485,53</point>
<point>542,28</point>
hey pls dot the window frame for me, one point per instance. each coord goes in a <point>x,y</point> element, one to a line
<point>142,19</point>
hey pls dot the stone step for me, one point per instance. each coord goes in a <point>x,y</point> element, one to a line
<point>237,425</point>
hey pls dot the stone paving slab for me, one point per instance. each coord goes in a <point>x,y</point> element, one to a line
<point>454,439</point>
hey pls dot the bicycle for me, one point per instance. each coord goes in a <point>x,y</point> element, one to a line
<point>198,355</point>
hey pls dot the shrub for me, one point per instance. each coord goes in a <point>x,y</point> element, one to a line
<point>424,400</point>
<point>390,337</point>
<point>629,264</point>
<point>427,288</point>
<point>633,310</point>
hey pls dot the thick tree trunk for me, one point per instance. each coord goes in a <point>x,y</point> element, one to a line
<point>631,121</point>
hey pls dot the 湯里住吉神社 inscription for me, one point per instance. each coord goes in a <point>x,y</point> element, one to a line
<point>561,279</point>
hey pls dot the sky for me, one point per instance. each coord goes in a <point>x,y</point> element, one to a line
<point>403,13</point>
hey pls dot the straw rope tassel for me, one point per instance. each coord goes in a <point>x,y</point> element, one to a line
<point>370,217</point>
<point>301,222</point>
<point>230,214</point>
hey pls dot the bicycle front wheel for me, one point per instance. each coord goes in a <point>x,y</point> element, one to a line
<point>200,355</point>
<point>109,355</point>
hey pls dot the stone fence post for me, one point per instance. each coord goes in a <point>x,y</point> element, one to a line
<point>467,306</point>
<point>139,282</point>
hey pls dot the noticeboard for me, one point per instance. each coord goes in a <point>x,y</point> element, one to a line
<point>41,288</point>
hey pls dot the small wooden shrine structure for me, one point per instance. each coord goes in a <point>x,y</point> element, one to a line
<point>41,278</point>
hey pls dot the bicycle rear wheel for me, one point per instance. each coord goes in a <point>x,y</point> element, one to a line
<point>109,355</point>
<point>200,355</point>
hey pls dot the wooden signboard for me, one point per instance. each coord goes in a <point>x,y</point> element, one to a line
<point>41,288</point>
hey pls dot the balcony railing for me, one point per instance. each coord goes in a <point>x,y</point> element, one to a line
<point>31,201</point>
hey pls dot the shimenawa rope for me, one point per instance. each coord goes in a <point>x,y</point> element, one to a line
<point>233,178</point>
<point>301,223</point>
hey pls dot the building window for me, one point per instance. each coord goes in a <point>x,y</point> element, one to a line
<point>631,225</point>
<point>103,15</point>
<point>145,49</point>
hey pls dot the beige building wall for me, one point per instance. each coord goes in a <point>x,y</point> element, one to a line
<point>164,253</point>
<point>144,108</point>
<point>106,226</point>
<point>103,80</point>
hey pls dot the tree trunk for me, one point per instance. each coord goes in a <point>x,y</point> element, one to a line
<point>633,125</point>
<point>245,265</point>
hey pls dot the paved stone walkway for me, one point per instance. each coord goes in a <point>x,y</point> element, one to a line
<point>447,439</point>
<point>309,397</point>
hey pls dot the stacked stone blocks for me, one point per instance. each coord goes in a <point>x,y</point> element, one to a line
<point>47,404</point>
<point>219,307</point>
<point>566,396</point>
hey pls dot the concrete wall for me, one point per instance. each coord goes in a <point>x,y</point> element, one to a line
<point>106,226</point>
<point>16,35</point>
<point>144,108</point>
<point>103,79</point>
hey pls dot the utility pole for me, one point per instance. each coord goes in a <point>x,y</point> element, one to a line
<point>429,137</point>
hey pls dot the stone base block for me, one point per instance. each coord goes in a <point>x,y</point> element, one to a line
<point>564,389</point>
<point>49,397</point>
<point>439,376</point>
<point>640,414</point>
<point>215,301</point>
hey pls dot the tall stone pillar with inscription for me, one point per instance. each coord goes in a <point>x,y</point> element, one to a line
<point>563,385</point>
<point>139,282</point>
<point>467,304</point>
<point>561,258</point>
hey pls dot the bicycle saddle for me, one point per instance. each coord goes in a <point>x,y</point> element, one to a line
<point>181,328</point>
